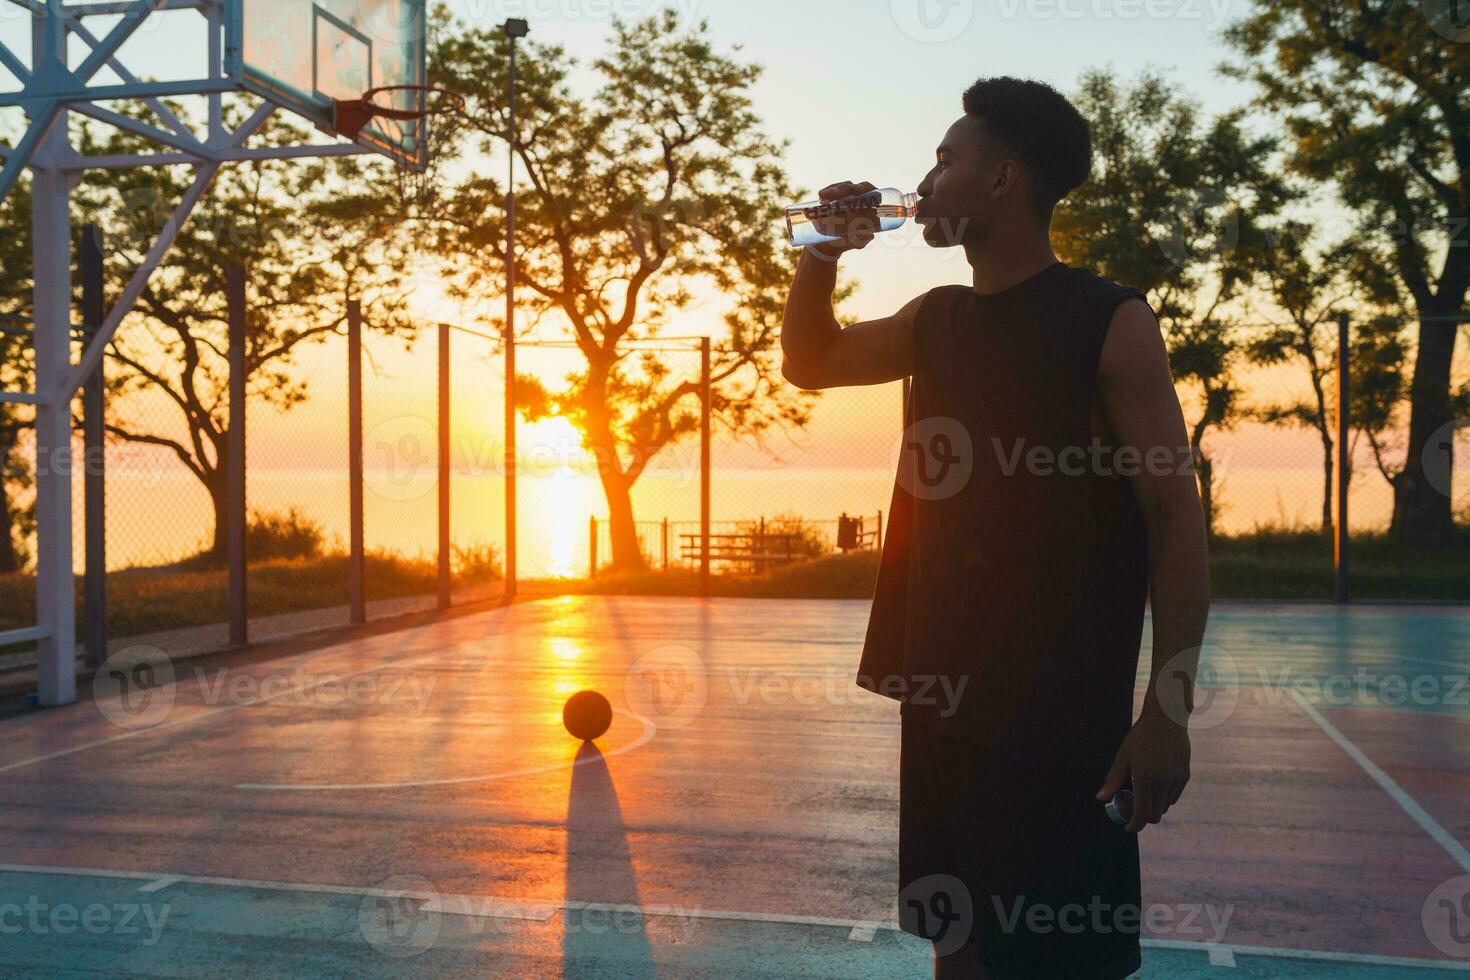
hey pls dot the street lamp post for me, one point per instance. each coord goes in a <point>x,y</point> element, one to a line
<point>514,29</point>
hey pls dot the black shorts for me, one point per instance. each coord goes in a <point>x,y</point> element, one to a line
<point>1018,857</point>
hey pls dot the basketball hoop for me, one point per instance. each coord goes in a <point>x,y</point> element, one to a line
<point>352,115</point>
<point>435,108</point>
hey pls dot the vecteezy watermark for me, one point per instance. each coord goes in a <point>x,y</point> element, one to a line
<point>505,917</point>
<point>836,688</point>
<point>401,458</point>
<point>1450,19</point>
<point>137,688</point>
<point>1095,459</point>
<point>401,462</point>
<point>65,8</point>
<point>1438,458</point>
<point>496,11</point>
<point>937,908</point>
<point>936,458</point>
<point>1446,917</point>
<point>932,21</point>
<point>400,917</point>
<point>406,915</point>
<point>1212,13</point>
<point>37,917</point>
<point>1366,688</point>
<point>1198,687</point>
<point>668,686</point>
<point>1221,685</point>
<point>134,688</point>
<point>304,688</point>
<point>1197,226</point>
<point>124,461</point>
<point>1200,922</point>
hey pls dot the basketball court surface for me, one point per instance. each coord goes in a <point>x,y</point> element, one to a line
<point>409,804</point>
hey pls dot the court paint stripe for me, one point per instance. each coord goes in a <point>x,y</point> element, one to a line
<point>159,884</point>
<point>213,712</point>
<point>1410,806</point>
<point>461,904</point>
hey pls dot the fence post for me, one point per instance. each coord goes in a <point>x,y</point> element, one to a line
<point>235,499</point>
<point>444,572</point>
<point>879,536</point>
<point>94,451</point>
<point>1344,457</point>
<point>704,464</point>
<point>592,546</point>
<point>760,547</point>
<point>357,604</point>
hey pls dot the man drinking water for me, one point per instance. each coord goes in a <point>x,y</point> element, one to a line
<point>1045,494</point>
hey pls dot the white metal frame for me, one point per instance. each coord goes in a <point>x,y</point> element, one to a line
<point>51,92</point>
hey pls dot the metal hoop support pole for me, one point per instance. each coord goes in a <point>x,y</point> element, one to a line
<point>514,29</point>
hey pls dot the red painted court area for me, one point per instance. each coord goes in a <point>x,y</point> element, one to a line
<point>744,780</point>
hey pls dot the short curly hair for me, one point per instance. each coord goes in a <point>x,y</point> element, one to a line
<point>1039,125</point>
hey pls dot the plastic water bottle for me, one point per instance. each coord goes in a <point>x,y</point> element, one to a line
<point>814,222</point>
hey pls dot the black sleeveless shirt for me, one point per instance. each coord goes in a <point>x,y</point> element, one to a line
<point>1016,559</point>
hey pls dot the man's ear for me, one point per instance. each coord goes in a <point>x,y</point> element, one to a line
<point>1007,178</point>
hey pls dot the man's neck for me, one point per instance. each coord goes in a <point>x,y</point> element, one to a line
<point>1007,260</point>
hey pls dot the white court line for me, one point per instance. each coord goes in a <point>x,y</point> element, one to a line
<point>159,884</point>
<point>201,715</point>
<point>462,904</point>
<point>1410,806</point>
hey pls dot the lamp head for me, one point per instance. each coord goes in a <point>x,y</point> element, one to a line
<point>516,27</point>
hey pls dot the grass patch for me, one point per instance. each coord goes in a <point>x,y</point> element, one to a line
<point>1270,564</point>
<point>143,600</point>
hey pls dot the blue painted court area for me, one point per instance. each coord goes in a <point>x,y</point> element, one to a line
<point>409,805</point>
<point>189,929</point>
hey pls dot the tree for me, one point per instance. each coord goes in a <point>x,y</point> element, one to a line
<point>307,244</point>
<point>1379,386</point>
<point>1375,95</point>
<point>1309,289</point>
<point>1180,208</point>
<point>660,180</point>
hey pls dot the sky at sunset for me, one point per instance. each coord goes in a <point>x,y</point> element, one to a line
<point>861,90</point>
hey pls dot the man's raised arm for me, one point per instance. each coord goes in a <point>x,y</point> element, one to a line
<point>817,351</point>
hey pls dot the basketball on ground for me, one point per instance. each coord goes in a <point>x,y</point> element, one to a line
<point>587,715</point>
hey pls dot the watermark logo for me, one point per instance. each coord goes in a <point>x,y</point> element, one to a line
<point>937,908</point>
<point>936,458</point>
<point>932,21</point>
<point>496,11</point>
<point>1207,923</point>
<point>37,917</point>
<point>1198,226</point>
<point>134,688</point>
<point>668,686</point>
<point>1212,13</point>
<point>1446,917</point>
<point>1439,456</point>
<point>400,917</point>
<point>1450,19</point>
<point>401,458</point>
<point>1210,699</point>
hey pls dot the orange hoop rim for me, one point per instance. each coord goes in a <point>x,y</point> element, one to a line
<point>454,105</point>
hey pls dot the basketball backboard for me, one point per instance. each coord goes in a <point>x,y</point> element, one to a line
<point>306,54</point>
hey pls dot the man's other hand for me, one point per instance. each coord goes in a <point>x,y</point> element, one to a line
<point>1156,757</point>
